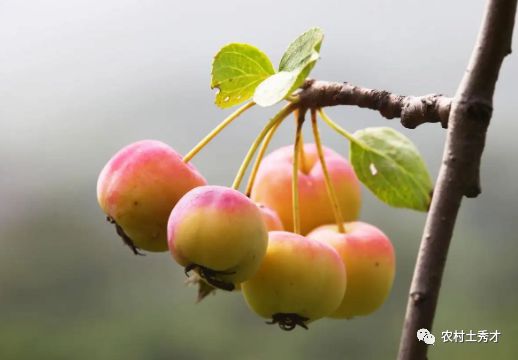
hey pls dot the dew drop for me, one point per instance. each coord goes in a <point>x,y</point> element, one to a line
<point>373,169</point>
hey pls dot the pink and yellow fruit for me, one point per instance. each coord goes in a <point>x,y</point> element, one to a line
<point>370,263</point>
<point>272,187</point>
<point>219,233</point>
<point>300,280</point>
<point>138,188</point>
<point>271,219</point>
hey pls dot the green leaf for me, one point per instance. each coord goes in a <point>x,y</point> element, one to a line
<point>275,88</point>
<point>301,51</point>
<point>295,66</point>
<point>237,69</point>
<point>390,165</point>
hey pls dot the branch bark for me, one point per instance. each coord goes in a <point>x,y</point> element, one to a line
<point>459,174</point>
<point>413,110</point>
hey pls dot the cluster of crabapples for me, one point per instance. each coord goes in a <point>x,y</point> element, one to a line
<point>237,242</point>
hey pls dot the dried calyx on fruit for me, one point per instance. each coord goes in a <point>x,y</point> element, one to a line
<point>330,265</point>
<point>138,188</point>
<point>300,280</point>
<point>219,233</point>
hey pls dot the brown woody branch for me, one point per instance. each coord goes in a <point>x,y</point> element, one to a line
<point>413,110</point>
<point>471,111</point>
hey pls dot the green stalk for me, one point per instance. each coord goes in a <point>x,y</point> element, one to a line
<point>281,115</point>
<point>216,131</point>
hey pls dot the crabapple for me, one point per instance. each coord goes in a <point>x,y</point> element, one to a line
<point>219,233</point>
<point>272,222</point>
<point>369,260</point>
<point>138,188</point>
<point>271,219</point>
<point>272,187</point>
<point>300,280</point>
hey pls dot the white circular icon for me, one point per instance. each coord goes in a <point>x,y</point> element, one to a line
<point>425,336</point>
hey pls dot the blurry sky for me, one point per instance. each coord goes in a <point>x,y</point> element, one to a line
<point>81,79</point>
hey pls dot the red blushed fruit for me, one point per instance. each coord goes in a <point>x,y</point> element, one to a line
<point>370,263</point>
<point>273,187</point>
<point>300,280</point>
<point>271,219</point>
<point>219,233</point>
<point>138,188</point>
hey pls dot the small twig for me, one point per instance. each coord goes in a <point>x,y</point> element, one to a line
<point>459,172</point>
<point>413,110</point>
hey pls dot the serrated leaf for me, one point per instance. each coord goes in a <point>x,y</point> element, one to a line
<point>237,70</point>
<point>390,165</point>
<point>296,64</point>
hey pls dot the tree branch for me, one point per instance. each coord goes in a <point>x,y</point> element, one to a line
<point>413,110</point>
<point>459,174</point>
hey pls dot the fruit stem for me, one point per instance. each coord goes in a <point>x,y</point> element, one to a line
<point>260,155</point>
<point>293,98</point>
<point>336,127</point>
<point>295,178</point>
<point>188,157</point>
<point>300,115</point>
<point>281,115</point>
<point>331,192</point>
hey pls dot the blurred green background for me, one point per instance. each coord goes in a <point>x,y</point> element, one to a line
<point>81,79</point>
